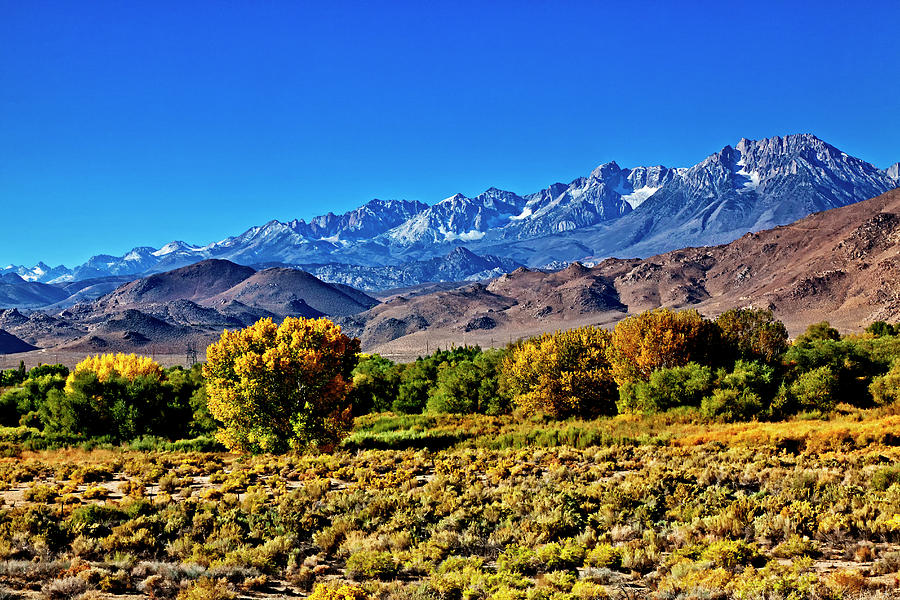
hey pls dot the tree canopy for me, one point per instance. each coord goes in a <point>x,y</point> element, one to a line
<point>277,387</point>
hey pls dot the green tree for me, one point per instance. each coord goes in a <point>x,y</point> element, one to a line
<point>818,331</point>
<point>752,334</point>
<point>375,384</point>
<point>416,380</point>
<point>886,388</point>
<point>741,394</point>
<point>851,363</point>
<point>815,390</point>
<point>881,329</point>
<point>667,388</point>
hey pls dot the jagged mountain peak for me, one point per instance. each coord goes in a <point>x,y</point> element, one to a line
<point>606,171</point>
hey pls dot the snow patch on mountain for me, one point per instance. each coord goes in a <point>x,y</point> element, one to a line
<point>638,196</point>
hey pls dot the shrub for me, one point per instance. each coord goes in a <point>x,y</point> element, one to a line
<point>207,589</point>
<point>851,364</point>
<point>587,590</point>
<point>730,554</point>
<point>796,546</point>
<point>517,559</point>
<point>880,329</point>
<point>65,588</point>
<point>885,477</point>
<point>342,592</point>
<point>818,331</point>
<point>742,394</point>
<point>371,564</point>
<point>561,555</point>
<point>604,556</point>
<point>815,390</point>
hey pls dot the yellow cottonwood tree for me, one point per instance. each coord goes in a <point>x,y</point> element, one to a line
<point>129,366</point>
<point>278,387</point>
<point>561,374</point>
<point>659,339</point>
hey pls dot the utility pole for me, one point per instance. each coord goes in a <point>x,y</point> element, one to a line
<point>190,358</point>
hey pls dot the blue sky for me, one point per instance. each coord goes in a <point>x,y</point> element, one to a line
<point>126,124</point>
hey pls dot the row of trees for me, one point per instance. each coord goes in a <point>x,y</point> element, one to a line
<point>272,388</point>
<point>117,397</point>
<point>738,366</point>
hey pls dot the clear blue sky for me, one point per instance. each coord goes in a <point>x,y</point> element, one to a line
<point>135,123</point>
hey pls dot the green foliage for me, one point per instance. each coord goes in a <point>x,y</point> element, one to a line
<point>42,370</point>
<point>850,363</point>
<point>416,380</point>
<point>375,383</point>
<point>818,332</point>
<point>815,390</point>
<point>731,554</point>
<point>885,389</point>
<point>796,546</point>
<point>729,404</point>
<point>120,408</point>
<point>517,559</point>
<point>752,334</point>
<point>885,477</point>
<point>460,380</point>
<point>604,556</point>
<point>881,329</point>
<point>741,394</point>
<point>12,377</point>
<point>468,386</point>
<point>667,388</point>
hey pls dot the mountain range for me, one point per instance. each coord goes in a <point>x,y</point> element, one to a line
<point>842,265</point>
<point>613,211</point>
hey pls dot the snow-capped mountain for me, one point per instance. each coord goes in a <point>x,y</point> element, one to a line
<point>458,218</point>
<point>613,211</point>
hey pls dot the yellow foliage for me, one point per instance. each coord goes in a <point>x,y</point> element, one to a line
<point>279,386</point>
<point>344,592</point>
<point>129,366</point>
<point>659,339</point>
<point>562,374</point>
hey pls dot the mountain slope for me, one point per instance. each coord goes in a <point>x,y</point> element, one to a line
<point>195,282</point>
<point>10,344</point>
<point>15,291</point>
<point>292,292</point>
